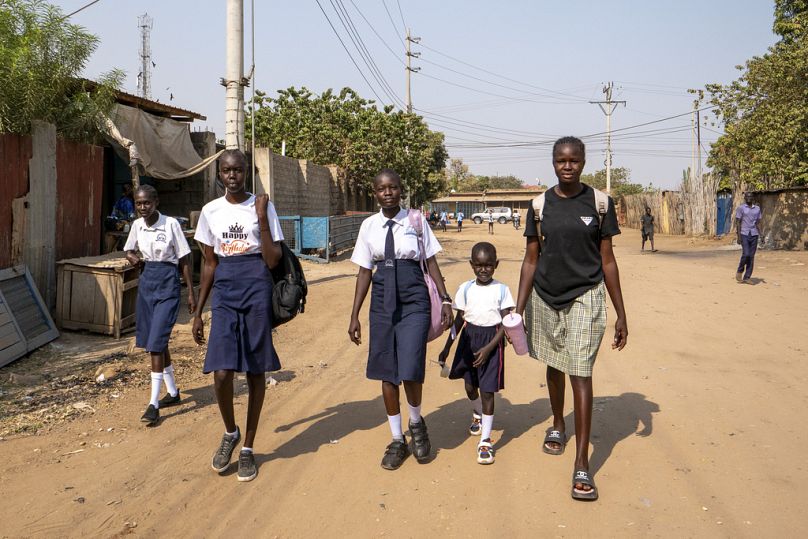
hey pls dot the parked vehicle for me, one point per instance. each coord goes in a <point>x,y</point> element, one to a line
<point>501,215</point>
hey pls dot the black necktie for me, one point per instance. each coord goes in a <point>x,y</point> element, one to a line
<point>390,269</point>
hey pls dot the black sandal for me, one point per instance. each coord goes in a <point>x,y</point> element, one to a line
<point>582,477</point>
<point>554,436</point>
<point>395,454</point>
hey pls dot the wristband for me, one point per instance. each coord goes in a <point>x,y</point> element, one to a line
<point>445,302</point>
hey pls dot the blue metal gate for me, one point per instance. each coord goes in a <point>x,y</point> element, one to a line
<point>723,220</point>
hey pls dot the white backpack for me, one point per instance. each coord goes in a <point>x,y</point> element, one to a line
<point>601,203</point>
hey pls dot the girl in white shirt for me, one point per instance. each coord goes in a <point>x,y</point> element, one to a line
<point>399,311</point>
<point>241,235</point>
<point>163,249</point>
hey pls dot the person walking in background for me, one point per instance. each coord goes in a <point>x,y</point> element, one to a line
<point>747,219</point>
<point>490,219</point>
<point>647,222</point>
<point>444,218</point>
<point>516,219</point>
<point>460,217</point>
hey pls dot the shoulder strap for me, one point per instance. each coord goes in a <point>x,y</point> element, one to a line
<point>538,207</point>
<point>415,221</point>
<point>466,293</point>
<point>602,205</point>
<point>502,290</point>
<point>538,215</point>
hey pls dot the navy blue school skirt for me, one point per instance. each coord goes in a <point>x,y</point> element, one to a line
<point>491,376</point>
<point>158,302</point>
<point>398,339</point>
<point>241,317</point>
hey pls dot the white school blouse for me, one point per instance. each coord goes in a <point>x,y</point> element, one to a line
<point>233,229</point>
<point>482,305</point>
<point>161,242</point>
<point>369,247</point>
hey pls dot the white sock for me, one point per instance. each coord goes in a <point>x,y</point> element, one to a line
<point>477,404</point>
<point>488,423</point>
<point>233,434</point>
<point>395,426</point>
<point>247,449</point>
<point>156,382</point>
<point>168,378</point>
<point>415,413</point>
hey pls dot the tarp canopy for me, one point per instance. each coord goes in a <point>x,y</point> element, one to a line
<point>159,147</point>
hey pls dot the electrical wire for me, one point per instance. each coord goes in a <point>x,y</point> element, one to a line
<point>82,8</point>
<point>384,42</point>
<point>372,89</point>
<point>389,16</point>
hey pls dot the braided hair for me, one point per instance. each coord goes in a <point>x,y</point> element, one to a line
<point>575,141</point>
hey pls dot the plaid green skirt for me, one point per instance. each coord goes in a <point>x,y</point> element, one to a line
<point>567,340</point>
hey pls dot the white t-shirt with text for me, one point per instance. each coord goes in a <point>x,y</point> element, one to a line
<point>233,229</point>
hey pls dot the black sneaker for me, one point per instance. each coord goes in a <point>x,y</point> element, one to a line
<point>420,441</point>
<point>221,459</point>
<point>150,416</point>
<point>395,454</point>
<point>168,400</point>
<point>247,470</point>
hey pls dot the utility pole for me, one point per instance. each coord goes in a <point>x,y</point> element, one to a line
<point>234,80</point>
<point>608,109</point>
<point>698,141</point>
<point>145,24</point>
<point>409,67</point>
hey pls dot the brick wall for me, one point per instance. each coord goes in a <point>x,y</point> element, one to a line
<point>300,187</point>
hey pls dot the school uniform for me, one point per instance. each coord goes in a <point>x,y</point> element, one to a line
<point>162,245</point>
<point>240,336</point>
<point>482,307</point>
<point>399,301</point>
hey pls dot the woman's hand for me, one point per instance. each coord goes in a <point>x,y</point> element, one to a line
<point>620,334</point>
<point>261,203</point>
<point>355,331</point>
<point>446,315</point>
<point>198,330</point>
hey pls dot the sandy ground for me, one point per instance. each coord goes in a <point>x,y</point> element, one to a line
<point>699,425</point>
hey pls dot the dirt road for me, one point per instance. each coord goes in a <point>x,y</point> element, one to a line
<point>699,428</point>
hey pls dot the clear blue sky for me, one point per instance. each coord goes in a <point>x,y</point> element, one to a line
<point>653,51</point>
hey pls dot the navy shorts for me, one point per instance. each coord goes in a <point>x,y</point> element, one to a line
<point>491,376</point>
<point>158,303</point>
<point>398,340</point>
<point>241,317</point>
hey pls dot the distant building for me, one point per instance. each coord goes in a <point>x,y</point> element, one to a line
<point>473,202</point>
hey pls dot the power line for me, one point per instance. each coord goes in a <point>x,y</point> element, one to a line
<point>349,53</point>
<point>402,14</point>
<point>389,48</point>
<point>498,74</point>
<point>82,8</point>
<point>515,98</point>
<point>367,58</point>
<point>389,16</point>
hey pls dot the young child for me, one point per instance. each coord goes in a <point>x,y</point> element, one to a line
<point>490,219</point>
<point>399,311</point>
<point>163,247</point>
<point>241,236</point>
<point>479,359</point>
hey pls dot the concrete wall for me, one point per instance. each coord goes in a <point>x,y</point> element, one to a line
<point>784,218</point>
<point>300,187</point>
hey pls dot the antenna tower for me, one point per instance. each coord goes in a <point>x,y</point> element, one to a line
<point>145,24</point>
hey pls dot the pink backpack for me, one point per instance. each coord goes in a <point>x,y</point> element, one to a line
<point>435,326</point>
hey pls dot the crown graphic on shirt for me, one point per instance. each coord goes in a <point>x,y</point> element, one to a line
<point>236,229</point>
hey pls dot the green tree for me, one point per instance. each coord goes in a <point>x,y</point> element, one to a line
<point>765,111</point>
<point>41,58</point>
<point>347,130</point>
<point>620,181</point>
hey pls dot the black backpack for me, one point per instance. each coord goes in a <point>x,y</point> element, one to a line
<point>290,288</point>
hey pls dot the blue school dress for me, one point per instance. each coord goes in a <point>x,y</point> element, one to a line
<point>240,336</point>
<point>158,294</point>
<point>399,301</point>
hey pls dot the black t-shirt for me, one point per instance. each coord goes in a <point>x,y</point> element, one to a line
<point>570,263</point>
